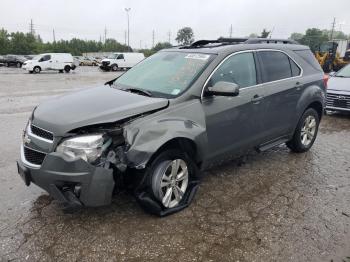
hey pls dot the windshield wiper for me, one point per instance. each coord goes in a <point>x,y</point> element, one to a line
<point>138,90</point>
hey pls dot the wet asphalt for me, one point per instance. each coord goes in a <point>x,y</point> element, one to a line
<point>272,206</point>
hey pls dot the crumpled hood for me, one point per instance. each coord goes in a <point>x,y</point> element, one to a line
<point>339,84</point>
<point>92,106</point>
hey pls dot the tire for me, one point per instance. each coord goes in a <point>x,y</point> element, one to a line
<point>114,68</point>
<point>36,70</point>
<point>67,69</point>
<point>7,64</point>
<point>18,65</point>
<point>167,188</point>
<point>305,132</point>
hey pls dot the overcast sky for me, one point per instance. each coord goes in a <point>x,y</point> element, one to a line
<point>209,19</point>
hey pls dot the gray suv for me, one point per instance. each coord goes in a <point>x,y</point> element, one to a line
<point>154,128</point>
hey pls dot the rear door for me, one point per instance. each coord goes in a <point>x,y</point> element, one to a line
<point>282,86</point>
<point>234,124</point>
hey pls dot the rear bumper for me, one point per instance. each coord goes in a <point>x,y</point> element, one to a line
<point>93,186</point>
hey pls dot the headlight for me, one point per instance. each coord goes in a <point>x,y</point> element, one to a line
<point>86,147</point>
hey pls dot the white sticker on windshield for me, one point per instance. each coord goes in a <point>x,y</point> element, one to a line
<point>197,56</point>
<point>175,91</point>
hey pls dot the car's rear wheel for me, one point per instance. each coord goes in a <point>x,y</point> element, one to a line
<point>306,132</point>
<point>36,70</point>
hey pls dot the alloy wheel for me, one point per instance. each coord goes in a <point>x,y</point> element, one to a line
<point>174,182</point>
<point>308,130</point>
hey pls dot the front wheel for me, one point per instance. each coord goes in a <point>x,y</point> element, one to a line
<point>306,132</point>
<point>67,69</point>
<point>172,181</point>
<point>36,70</point>
<point>114,68</point>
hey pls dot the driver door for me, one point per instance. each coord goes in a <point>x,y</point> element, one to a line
<point>45,63</point>
<point>234,123</point>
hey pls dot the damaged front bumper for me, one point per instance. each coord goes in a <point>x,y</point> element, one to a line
<point>72,183</point>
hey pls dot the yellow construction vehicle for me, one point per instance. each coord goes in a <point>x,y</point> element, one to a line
<point>333,55</point>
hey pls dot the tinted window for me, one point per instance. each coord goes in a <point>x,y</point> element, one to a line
<point>308,56</point>
<point>239,69</point>
<point>275,65</point>
<point>295,68</point>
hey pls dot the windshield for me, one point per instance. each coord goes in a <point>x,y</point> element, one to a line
<point>37,57</point>
<point>112,56</point>
<point>344,72</point>
<point>166,73</point>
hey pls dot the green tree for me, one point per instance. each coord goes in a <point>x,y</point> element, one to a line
<point>314,38</point>
<point>160,46</point>
<point>265,33</point>
<point>296,36</point>
<point>4,42</point>
<point>185,36</point>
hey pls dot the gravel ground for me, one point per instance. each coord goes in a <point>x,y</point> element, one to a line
<point>273,206</point>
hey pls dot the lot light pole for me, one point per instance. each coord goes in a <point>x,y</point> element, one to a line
<point>127,9</point>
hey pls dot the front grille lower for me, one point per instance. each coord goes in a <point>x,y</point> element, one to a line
<point>41,132</point>
<point>340,101</point>
<point>33,156</point>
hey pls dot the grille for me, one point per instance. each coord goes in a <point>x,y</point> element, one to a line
<point>41,132</point>
<point>341,101</point>
<point>33,157</point>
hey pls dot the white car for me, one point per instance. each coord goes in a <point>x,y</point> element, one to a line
<point>118,61</point>
<point>51,61</point>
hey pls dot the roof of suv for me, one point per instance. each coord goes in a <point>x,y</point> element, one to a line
<point>229,45</point>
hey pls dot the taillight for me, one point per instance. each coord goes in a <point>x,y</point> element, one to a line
<point>325,80</point>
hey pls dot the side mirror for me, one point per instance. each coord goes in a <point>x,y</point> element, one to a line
<point>223,88</point>
<point>332,73</point>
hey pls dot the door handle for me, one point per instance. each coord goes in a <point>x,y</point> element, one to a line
<point>256,99</point>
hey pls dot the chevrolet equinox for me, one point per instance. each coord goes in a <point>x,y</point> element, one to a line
<point>153,129</point>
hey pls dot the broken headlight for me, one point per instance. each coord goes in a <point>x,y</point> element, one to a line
<point>86,147</point>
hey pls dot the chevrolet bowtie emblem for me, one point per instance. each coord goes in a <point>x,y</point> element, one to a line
<point>341,97</point>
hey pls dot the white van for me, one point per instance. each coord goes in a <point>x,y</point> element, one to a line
<point>118,61</point>
<point>50,61</point>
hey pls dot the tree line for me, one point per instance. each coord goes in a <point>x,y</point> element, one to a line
<point>26,43</point>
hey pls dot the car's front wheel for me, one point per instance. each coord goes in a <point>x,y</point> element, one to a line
<point>306,132</point>
<point>171,181</point>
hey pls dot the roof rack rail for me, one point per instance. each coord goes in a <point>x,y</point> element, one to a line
<point>270,41</point>
<point>233,41</point>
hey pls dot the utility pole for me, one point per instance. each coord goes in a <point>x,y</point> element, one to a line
<point>105,34</point>
<point>333,27</point>
<point>153,38</point>
<point>53,34</point>
<point>140,44</point>
<point>125,36</point>
<point>127,10</point>
<point>231,31</point>
<point>169,37</point>
<point>31,28</point>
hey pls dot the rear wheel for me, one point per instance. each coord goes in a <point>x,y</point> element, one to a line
<point>67,69</point>
<point>36,70</point>
<point>306,132</point>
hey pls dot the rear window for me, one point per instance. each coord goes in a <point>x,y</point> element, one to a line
<point>276,65</point>
<point>295,68</point>
<point>308,56</point>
